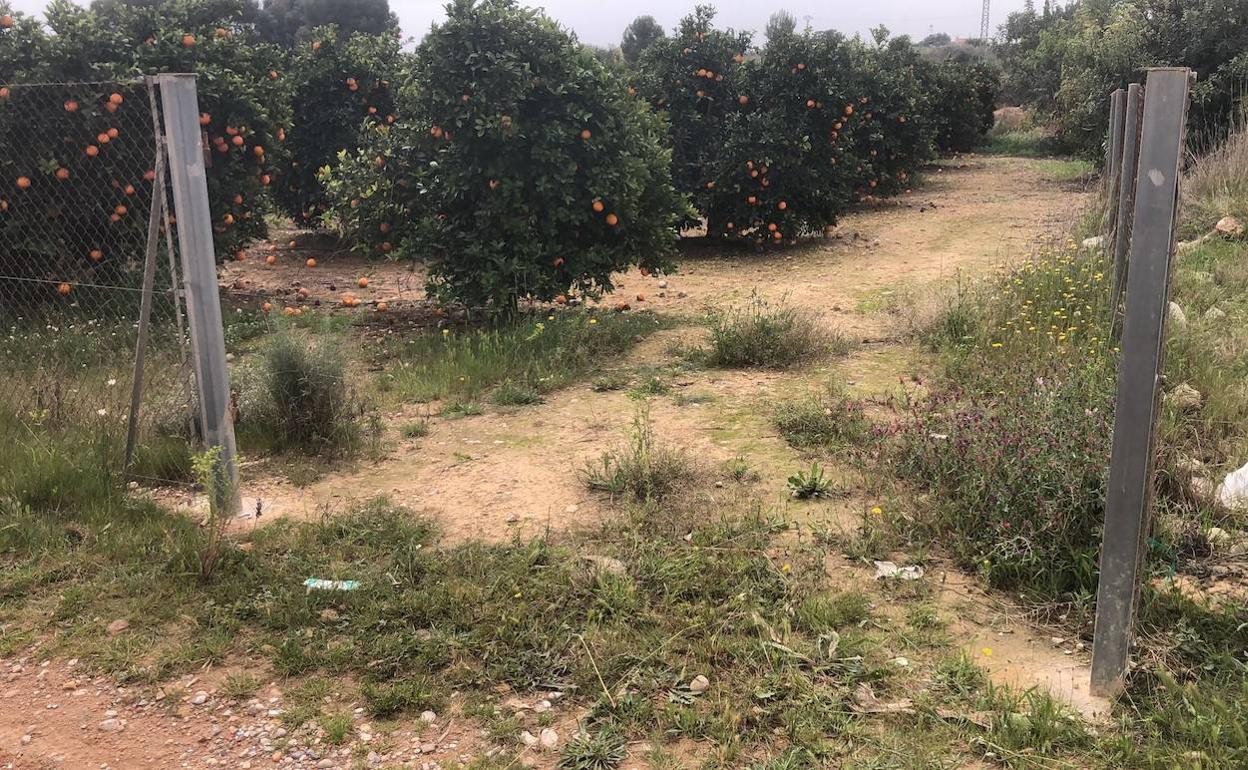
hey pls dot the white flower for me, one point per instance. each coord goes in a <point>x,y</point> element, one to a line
<point>101,412</point>
<point>112,382</point>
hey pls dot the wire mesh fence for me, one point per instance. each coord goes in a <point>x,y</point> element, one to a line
<point>82,196</point>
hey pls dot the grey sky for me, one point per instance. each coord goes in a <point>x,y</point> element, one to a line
<point>601,23</point>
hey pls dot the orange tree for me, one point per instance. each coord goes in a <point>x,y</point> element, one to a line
<point>786,165</point>
<point>242,92</point>
<point>696,80</point>
<point>894,135</point>
<point>531,171</point>
<point>338,85</point>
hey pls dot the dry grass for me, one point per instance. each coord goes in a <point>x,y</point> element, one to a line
<point>1216,185</point>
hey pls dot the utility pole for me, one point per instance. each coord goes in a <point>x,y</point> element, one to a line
<point>983,24</point>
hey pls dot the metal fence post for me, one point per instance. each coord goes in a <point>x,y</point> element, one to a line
<point>1126,193</point>
<point>1129,492</point>
<point>1117,108</point>
<point>180,104</point>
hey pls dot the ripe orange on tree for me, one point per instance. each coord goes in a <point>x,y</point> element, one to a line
<point>188,41</point>
<point>63,289</point>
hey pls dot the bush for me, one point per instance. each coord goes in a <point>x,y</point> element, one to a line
<point>530,176</point>
<point>341,87</point>
<point>307,399</point>
<point>963,103</point>
<point>768,336</point>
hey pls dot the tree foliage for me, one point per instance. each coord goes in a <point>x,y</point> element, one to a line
<point>638,36</point>
<point>531,169</point>
<point>288,22</point>
<point>1065,61</point>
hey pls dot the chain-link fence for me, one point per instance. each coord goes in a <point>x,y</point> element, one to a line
<point>82,191</point>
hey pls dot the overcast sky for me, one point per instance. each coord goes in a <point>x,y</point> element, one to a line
<point>601,22</point>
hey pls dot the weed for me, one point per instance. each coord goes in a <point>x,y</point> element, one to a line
<point>828,420</point>
<point>337,728</point>
<point>512,394</point>
<point>610,382</point>
<point>600,750</point>
<point>306,405</point>
<point>759,334</point>
<point>221,491</point>
<point>386,699</point>
<point>416,429</point>
<point>805,485</point>
<point>239,686</point>
<point>458,409</point>
<point>821,613</point>
<point>642,470</point>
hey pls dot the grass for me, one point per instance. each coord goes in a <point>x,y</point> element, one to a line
<point>826,420</point>
<point>642,470</point>
<point>1033,142</point>
<point>1216,185</point>
<point>770,336</point>
<point>1066,169</point>
<point>514,364</point>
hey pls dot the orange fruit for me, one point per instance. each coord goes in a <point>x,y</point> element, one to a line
<point>362,283</point>
<point>612,220</point>
<point>63,289</point>
<point>240,255</point>
<point>316,45</point>
<point>92,150</point>
<point>188,41</point>
<point>386,246</point>
<point>272,74</point>
<point>270,260</point>
<point>849,109</point>
<point>237,140</point>
<point>115,98</point>
<point>229,219</point>
<point>120,211</point>
<point>4,92</point>
<point>586,133</point>
<point>62,174</point>
<point>558,262</point>
<point>103,138</point>
<point>222,32</point>
<point>204,118</point>
<point>303,292</point>
<point>777,235</point>
<point>238,199</point>
<point>128,189</point>
<point>311,262</point>
<point>382,307</point>
<point>810,104</point>
<point>782,205</point>
<point>112,133</point>
<point>96,255</point>
<point>266,307</point>
<point>384,227</point>
<point>265,179</point>
<point>6,21</point>
<point>379,162</point>
<point>743,99</point>
<point>641,297</point>
<point>598,207</point>
<point>751,200</point>
<point>561,300</point>
<point>71,106</point>
<point>771,227</point>
<point>258,150</point>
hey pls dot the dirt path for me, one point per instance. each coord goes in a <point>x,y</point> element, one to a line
<point>515,471</point>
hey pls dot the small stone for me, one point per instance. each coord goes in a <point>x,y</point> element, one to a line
<point>200,698</point>
<point>1095,242</point>
<point>117,626</point>
<point>329,614</point>
<point>327,762</point>
<point>1176,316</point>
<point>428,748</point>
<point>1215,314</point>
<point>699,684</point>
<point>901,661</point>
<point>548,738</point>
<point>428,717</point>
<point>662,284</point>
<point>27,738</point>
<point>1217,536</point>
<point>112,726</point>
<point>373,759</point>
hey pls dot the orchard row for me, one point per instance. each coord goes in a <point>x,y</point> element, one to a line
<point>501,150</point>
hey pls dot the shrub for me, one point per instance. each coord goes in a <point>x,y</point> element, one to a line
<point>307,399</point>
<point>342,86</point>
<point>769,336</point>
<point>824,420</point>
<point>536,171</point>
<point>644,470</point>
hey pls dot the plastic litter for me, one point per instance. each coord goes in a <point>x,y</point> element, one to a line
<point>317,584</point>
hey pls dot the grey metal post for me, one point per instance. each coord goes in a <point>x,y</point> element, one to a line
<point>145,305</point>
<point>1126,193</point>
<point>1129,492</point>
<point>180,104</point>
<point>1117,110</point>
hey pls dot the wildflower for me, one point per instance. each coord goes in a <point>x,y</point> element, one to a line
<point>877,510</point>
<point>112,382</point>
<point>593,320</point>
<point>786,568</point>
<point>446,332</point>
<point>996,344</point>
<point>987,652</point>
<point>101,412</point>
